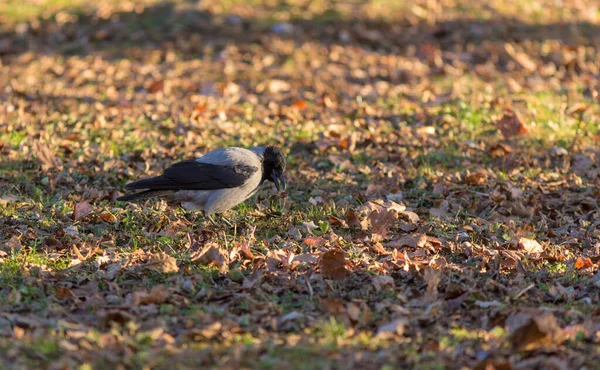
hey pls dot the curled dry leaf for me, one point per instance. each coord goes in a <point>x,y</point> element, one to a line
<point>528,332</point>
<point>530,246</point>
<point>335,221</point>
<point>108,217</point>
<point>81,210</point>
<point>352,220</point>
<point>211,253</point>
<point>333,265</point>
<point>162,263</point>
<point>583,262</point>
<point>511,125</point>
<point>478,177</point>
<point>313,241</point>
<point>158,295</point>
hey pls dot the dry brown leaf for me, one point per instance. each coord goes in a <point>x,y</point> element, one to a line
<point>211,253</point>
<point>499,150</point>
<point>333,265</point>
<point>313,241</point>
<point>511,125</point>
<point>13,244</point>
<point>391,329</point>
<point>157,86</point>
<point>432,278</point>
<point>383,282</point>
<point>46,156</point>
<point>521,58</point>
<point>108,217</point>
<point>119,317</point>
<point>577,108</point>
<point>162,263</point>
<point>81,210</point>
<point>528,332</point>
<point>412,241</point>
<point>478,177</point>
<point>530,246</point>
<point>158,295</point>
<point>352,220</point>
<point>63,293</point>
<point>381,220</point>
<point>336,221</point>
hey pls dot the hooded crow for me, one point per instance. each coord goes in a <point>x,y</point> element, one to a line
<point>217,181</point>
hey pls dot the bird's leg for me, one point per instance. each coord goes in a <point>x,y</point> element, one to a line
<point>226,221</point>
<point>211,219</point>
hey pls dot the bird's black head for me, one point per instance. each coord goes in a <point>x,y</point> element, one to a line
<point>274,167</point>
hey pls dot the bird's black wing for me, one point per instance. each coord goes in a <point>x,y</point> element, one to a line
<point>193,175</point>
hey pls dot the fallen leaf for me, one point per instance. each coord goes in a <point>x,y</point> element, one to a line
<point>335,221</point>
<point>52,244</point>
<point>157,86</point>
<point>499,150</point>
<point>381,220</point>
<point>277,86</point>
<point>309,226</point>
<point>333,265</point>
<point>46,156</point>
<point>13,244</point>
<point>530,246</point>
<point>478,177</point>
<point>294,233</point>
<point>313,241</point>
<point>352,220</point>
<point>511,125</point>
<point>528,332</point>
<point>7,199</point>
<point>81,210</point>
<point>393,328</point>
<point>306,257</point>
<point>63,293</point>
<point>412,241</point>
<point>119,317</point>
<point>520,57</point>
<point>300,104</point>
<point>158,295</point>
<point>432,278</point>
<point>162,263</point>
<point>583,262</point>
<point>211,253</point>
<point>108,217</point>
<point>383,282</point>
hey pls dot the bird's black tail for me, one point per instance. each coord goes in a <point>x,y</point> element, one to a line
<point>145,195</point>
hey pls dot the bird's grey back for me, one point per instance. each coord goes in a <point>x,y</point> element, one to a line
<point>231,157</point>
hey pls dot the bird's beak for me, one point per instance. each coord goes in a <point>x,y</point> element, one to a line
<point>279,180</point>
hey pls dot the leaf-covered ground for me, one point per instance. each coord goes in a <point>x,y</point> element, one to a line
<point>442,209</point>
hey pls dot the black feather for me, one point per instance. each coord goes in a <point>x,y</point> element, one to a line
<point>193,175</point>
<point>145,195</point>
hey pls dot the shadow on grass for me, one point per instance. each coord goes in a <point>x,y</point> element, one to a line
<point>167,26</point>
